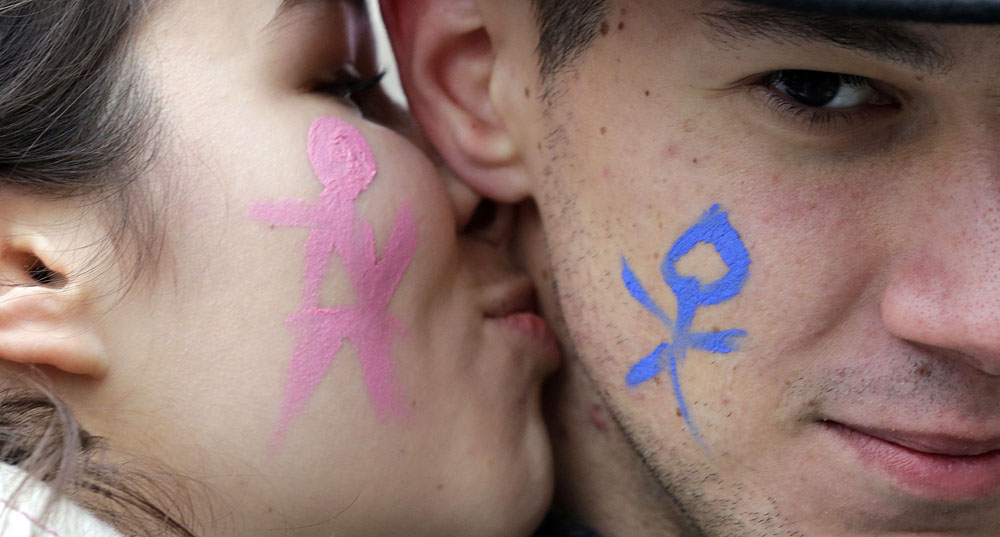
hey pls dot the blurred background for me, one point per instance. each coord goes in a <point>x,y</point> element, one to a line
<point>392,75</point>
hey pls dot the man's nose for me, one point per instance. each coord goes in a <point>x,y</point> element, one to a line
<point>943,289</point>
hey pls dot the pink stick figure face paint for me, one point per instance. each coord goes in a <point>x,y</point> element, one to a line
<point>343,162</point>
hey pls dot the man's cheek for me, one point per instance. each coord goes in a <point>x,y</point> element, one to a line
<point>818,249</point>
<point>691,293</point>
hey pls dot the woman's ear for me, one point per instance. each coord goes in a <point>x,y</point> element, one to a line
<point>446,62</point>
<point>44,315</point>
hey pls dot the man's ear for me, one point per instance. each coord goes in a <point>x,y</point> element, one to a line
<point>446,63</point>
<point>43,311</point>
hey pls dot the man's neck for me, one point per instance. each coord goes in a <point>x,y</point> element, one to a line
<point>601,482</point>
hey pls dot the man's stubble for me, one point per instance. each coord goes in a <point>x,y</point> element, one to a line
<point>704,504</point>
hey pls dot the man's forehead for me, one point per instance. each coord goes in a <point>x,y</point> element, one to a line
<point>941,11</point>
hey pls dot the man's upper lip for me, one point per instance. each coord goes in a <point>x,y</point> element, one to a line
<point>511,297</point>
<point>933,443</point>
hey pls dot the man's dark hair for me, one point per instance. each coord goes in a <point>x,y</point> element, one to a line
<point>566,30</point>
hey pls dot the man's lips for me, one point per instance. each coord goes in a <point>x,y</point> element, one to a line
<point>939,467</point>
<point>934,443</point>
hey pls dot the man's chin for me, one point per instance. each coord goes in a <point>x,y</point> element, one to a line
<point>847,483</point>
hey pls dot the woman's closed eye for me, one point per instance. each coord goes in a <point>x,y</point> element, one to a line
<point>348,85</point>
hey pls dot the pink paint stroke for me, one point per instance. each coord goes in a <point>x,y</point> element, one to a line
<point>344,164</point>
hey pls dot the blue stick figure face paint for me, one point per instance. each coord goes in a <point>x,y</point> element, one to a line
<point>713,228</point>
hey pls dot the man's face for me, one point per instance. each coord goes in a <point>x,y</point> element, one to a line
<point>856,168</point>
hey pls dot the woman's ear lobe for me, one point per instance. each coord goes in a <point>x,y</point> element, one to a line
<point>446,61</point>
<point>43,313</point>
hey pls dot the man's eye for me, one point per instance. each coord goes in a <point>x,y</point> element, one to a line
<point>820,89</point>
<point>824,100</point>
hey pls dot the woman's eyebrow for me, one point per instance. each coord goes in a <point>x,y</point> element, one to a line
<point>288,5</point>
<point>737,24</point>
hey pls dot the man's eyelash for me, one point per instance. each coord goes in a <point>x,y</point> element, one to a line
<point>814,117</point>
<point>817,117</point>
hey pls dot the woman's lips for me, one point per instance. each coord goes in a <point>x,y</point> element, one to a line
<point>516,309</point>
<point>534,327</point>
<point>933,466</point>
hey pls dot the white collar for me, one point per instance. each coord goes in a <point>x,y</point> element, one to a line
<point>20,517</point>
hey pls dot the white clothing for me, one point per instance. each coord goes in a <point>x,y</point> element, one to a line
<point>21,516</point>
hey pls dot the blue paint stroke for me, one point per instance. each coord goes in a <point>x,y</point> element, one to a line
<point>713,228</point>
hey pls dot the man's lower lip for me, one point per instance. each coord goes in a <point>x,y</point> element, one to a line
<point>931,476</point>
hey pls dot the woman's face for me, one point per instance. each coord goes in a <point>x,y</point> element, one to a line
<point>320,346</point>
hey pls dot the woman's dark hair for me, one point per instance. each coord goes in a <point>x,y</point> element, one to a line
<point>68,113</point>
<point>39,435</point>
<point>76,122</point>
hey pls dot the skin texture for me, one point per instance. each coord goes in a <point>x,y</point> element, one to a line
<point>872,297</point>
<point>190,367</point>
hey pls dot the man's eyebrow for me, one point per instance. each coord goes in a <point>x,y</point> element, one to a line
<point>734,23</point>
